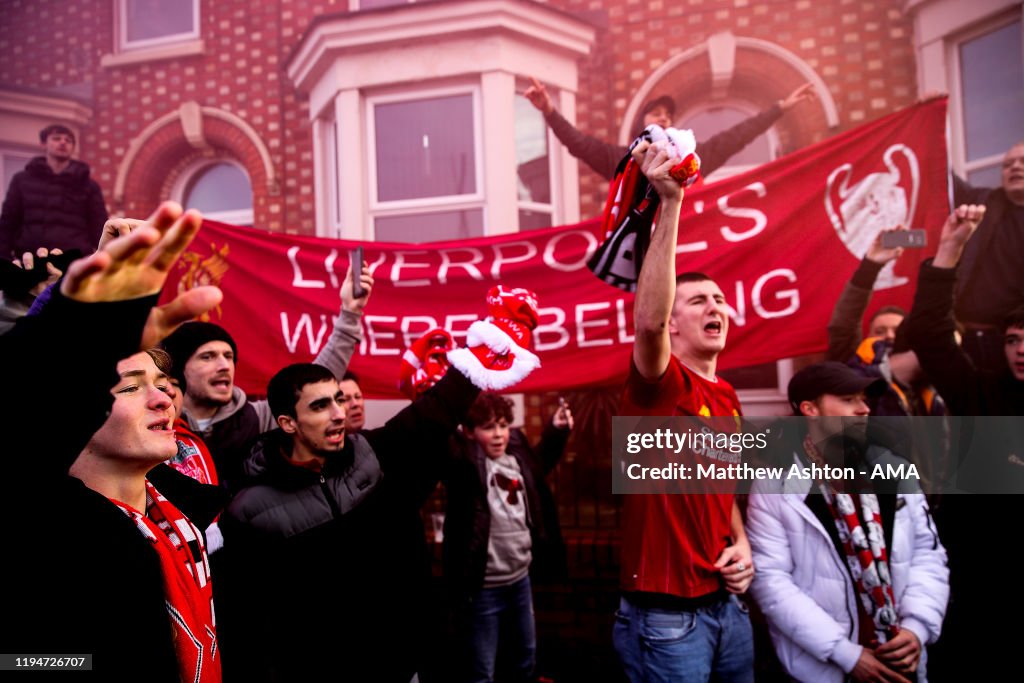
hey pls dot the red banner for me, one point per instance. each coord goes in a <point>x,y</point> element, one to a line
<point>780,240</point>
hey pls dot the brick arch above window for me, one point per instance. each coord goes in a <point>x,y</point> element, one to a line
<point>731,68</point>
<point>175,142</point>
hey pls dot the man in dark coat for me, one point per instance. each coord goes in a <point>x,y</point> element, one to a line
<point>81,575</point>
<point>53,203</point>
<point>990,281</point>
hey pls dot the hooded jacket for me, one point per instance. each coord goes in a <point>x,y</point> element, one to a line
<point>47,209</point>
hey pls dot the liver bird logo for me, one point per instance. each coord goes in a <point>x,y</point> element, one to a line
<point>512,486</point>
<point>201,271</point>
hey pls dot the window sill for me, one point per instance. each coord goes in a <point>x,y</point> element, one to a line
<point>183,49</point>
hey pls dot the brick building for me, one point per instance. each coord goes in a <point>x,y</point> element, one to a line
<point>361,118</point>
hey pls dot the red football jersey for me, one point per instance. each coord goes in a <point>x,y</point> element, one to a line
<point>671,542</point>
<point>193,458</point>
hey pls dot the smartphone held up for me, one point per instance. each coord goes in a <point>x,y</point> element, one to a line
<point>916,238</point>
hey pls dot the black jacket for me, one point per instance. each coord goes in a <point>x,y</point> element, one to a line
<point>467,519</point>
<point>991,281</point>
<point>995,453</point>
<point>78,575</point>
<point>325,574</point>
<point>44,209</point>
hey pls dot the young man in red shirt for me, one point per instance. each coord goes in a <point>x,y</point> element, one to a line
<point>684,557</point>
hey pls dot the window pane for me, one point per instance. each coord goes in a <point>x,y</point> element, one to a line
<point>532,165</point>
<point>430,227</point>
<point>425,148</point>
<point>148,19</point>
<point>222,187</point>
<point>993,91</point>
<point>711,121</point>
<point>532,220</point>
<point>12,163</point>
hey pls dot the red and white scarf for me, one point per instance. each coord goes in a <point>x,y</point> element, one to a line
<point>188,594</point>
<point>866,554</point>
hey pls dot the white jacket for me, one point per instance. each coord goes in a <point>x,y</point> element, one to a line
<point>804,588</point>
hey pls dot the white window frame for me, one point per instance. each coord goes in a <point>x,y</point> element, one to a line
<point>407,207</point>
<point>958,145</point>
<point>356,5</point>
<point>6,151</point>
<point>553,208</point>
<point>124,45</point>
<point>332,183</point>
<point>181,184</point>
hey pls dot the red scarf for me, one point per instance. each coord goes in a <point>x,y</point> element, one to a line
<point>188,594</point>
<point>866,555</point>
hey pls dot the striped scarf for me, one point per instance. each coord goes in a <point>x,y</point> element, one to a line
<point>866,554</point>
<point>188,594</point>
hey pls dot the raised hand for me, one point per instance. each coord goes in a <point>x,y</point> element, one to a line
<point>958,228</point>
<point>28,262</point>
<point>876,253</point>
<point>538,96</point>
<point>348,300</point>
<point>804,92</point>
<point>137,264</point>
<point>117,227</point>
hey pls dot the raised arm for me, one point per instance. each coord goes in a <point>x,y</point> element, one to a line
<point>716,151</point>
<point>346,333</point>
<point>656,286</point>
<point>601,156</point>
<point>102,312</point>
<point>844,327</point>
<point>931,328</point>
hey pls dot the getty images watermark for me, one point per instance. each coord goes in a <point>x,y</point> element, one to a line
<point>714,455</point>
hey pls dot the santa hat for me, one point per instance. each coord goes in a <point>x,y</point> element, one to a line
<point>497,354</point>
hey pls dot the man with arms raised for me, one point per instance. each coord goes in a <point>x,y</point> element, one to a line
<point>682,555</point>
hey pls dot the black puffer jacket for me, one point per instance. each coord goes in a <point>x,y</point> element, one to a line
<point>45,209</point>
<point>321,571</point>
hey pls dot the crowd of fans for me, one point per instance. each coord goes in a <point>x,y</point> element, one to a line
<point>175,529</point>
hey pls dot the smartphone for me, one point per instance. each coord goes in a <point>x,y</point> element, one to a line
<point>355,259</point>
<point>908,239</point>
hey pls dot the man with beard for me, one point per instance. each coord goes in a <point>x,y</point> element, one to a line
<point>852,578</point>
<point>204,356</point>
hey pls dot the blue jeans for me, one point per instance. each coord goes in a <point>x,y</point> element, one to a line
<point>663,645</point>
<point>506,611</point>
